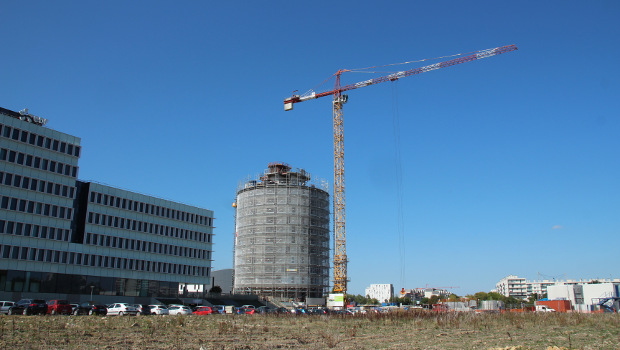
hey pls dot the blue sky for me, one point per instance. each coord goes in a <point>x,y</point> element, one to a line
<point>509,164</point>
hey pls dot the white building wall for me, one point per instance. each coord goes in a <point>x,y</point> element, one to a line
<point>592,292</point>
<point>381,292</point>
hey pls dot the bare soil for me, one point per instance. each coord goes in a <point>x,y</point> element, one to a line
<point>398,330</point>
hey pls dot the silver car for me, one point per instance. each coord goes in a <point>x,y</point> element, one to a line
<point>4,306</point>
<point>159,310</point>
<point>179,310</point>
<point>122,309</point>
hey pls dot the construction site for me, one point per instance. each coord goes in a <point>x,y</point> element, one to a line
<point>281,248</point>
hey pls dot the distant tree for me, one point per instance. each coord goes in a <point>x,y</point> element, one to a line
<point>216,290</point>
<point>425,301</point>
<point>481,296</point>
<point>453,297</point>
<point>495,296</point>
<point>594,282</point>
<point>433,299</point>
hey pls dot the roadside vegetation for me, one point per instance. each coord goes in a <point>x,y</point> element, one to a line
<point>395,330</point>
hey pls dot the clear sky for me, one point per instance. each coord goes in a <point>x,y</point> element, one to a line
<point>509,164</point>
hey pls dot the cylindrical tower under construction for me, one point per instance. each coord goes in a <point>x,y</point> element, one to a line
<point>282,235</point>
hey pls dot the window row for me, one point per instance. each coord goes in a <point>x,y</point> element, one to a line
<point>111,262</point>
<point>36,231</point>
<point>39,140</point>
<point>128,204</point>
<point>38,162</point>
<point>141,226</point>
<point>33,184</point>
<point>149,247</point>
<point>32,207</point>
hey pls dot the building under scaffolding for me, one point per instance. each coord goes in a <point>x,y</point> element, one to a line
<point>282,235</point>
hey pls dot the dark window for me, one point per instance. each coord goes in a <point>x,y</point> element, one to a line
<point>24,137</point>
<point>52,167</point>
<point>70,149</point>
<point>17,179</point>
<point>37,162</point>
<point>8,179</point>
<point>22,205</point>
<point>29,160</point>
<point>35,230</point>
<point>33,139</point>
<point>55,145</point>
<point>20,158</point>
<point>45,164</point>
<point>12,155</point>
<point>63,147</point>
<point>7,131</point>
<point>15,134</point>
<point>13,204</point>
<point>48,142</point>
<point>39,140</point>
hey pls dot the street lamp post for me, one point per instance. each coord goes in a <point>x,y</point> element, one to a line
<point>91,293</point>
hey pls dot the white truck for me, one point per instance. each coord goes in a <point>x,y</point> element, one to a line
<point>544,308</point>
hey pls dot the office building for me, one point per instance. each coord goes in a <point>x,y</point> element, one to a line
<point>64,238</point>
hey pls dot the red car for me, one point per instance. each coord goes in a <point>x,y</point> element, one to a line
<point>59,307</point>
<point>203,310</point>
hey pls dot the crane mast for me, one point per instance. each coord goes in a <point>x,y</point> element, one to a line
<point>339,99</point>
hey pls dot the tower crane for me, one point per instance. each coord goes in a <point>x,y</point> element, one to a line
<point>339,99</point>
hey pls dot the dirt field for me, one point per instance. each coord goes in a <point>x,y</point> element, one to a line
<point>378,331</point>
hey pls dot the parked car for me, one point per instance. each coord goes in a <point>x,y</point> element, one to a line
<point>249,307</point>
<point>179,310</point>
<point>59,307</point>
<point>28,307</point>
<point>144,310</point>
<point>318,311</point>
<point>122,309</point>
<point>5,305</point>
<point>74,307</point>
<point>159,310</point>
<point>89,309</point>
<point>219,309</point>
<point>246,311</point>
<point>204,310</point>
<point>264,310</point>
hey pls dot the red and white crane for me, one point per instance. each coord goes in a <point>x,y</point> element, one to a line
<point>339,99</point>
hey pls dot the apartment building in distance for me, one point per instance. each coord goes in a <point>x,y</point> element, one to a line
<point>518,287</point>
<point>70,239</point>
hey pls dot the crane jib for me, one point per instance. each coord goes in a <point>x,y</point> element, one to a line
<point>288,102</point>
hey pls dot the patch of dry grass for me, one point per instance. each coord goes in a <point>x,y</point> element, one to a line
<point>398,330</point>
